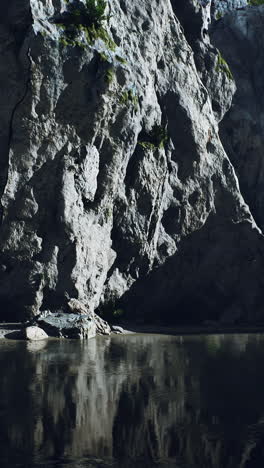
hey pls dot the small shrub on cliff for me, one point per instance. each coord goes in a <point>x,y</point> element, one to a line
<point>129,97</point>
<point>91,13</point>
<point>156,138</point>
<point>158,135</point>
<point>118,313</point>
<point>223,66</point>
<point>88,17</point>
<point>121,59</point>
<point>109,75</point>
<point>111,313</point>
<point>256,2</point>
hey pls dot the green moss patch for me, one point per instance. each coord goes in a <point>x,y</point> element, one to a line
<point>223,67</point>
<point>128,97</point>
<point>154,139</point>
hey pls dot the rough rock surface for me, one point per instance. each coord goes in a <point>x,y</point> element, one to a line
<point>60,325</point>
<point>114,182</point>
<point>102,327</point>
<point>221,7</point>
<point>35,334</point>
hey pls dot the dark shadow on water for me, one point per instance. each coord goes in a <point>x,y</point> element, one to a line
<point>133,401</point>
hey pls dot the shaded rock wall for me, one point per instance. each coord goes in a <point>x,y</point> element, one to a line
<point>240,36</point>
<point>221,7</point>
<point>114,180</point>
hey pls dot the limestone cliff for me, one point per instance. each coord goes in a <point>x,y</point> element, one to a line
<point>115,186</point>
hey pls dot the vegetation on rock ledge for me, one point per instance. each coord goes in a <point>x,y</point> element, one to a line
<point>256,2</point>
<point>129,97</point>
<point>88,17</point>
<point>223,66</point>
<point>156,138</point>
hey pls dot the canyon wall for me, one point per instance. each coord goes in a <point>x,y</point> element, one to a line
<point>115,186</point>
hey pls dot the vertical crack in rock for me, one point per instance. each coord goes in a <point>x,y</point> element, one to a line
<point>5,156</point>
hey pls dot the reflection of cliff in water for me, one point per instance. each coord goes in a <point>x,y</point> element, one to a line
<point>187,402</point>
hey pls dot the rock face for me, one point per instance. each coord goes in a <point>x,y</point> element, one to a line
<point>240,36</point>
<point>221,7</point>
<point>67,325</point>
<point>114,182</point>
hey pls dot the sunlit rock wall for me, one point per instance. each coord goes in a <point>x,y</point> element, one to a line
<point>114,182</point>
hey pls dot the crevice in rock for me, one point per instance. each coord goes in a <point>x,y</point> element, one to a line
<point>5,159</point>
<point>180,130</point>
<point>171,220</point>
<point>190,19</point>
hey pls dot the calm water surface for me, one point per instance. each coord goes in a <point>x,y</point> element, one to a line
<point>133,401</point>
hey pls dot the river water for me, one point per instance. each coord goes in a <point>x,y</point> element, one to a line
<point>133,401</point>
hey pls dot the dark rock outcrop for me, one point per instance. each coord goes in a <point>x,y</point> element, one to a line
<point>114,182</point>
